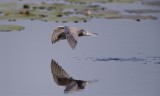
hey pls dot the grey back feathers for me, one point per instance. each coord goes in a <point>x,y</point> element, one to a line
<point>69,33</point>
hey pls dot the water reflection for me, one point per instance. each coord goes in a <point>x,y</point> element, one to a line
<point>16,52</point>
<point>151,3</point>
<point>142,59</point>
<point>157,62</point>
<point>62,78</point>
<point>133,59</point>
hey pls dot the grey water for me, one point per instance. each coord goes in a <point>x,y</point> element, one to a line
<point>124,57</point>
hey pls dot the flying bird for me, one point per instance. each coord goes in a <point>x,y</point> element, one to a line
<point>69,33</point>
<point>62,78</point>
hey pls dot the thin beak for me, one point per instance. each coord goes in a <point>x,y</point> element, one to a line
<point>91,34</point>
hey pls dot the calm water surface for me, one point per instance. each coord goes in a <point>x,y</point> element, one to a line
<point>124,57</point>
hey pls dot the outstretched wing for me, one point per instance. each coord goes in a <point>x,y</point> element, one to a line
<point>72,36</point>
<point>60,76</point>
<point>55,35</point>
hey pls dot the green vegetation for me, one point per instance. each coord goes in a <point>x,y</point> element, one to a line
<point>8,28</point>
<point>71,11</point>
<point>101,1</point>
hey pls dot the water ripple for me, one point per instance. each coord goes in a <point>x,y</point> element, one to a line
<point>135,59</point>
<point>143,59</point>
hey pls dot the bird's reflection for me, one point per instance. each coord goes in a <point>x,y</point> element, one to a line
<point>62,78</point>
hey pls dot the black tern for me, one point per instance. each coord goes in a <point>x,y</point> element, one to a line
<point>69,33</point>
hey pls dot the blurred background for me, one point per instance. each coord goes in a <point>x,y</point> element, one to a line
<point>124,57</point>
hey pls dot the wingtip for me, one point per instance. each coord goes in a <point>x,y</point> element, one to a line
<point>73,48</point>
<point>52,41</point>
<point>53,61</point>
<point>66,92</point>
<point>96,34</point>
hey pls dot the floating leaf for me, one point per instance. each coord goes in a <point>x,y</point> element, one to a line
<point>75,19</point>
<point>19,14</point>
<point>68,12</point>
<point>54,6</point>
<point>99,13</point>
<point>142,11</point>
<point>8,28</point>
<point>134,17</point>
<point>8,5</point>
<point>101,1</point>
<point>152,3</point>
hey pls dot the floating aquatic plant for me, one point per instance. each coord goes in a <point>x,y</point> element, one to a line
<point>8,28</point>
<point>8,5</point>
<point>69,12</point>
<point>142,11</point>
<point>74,19</point>
<point>151,3</point>
<point>136,17</point>
<point>101,1</point>
<point>53,6</point>
<point>100,13</point>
